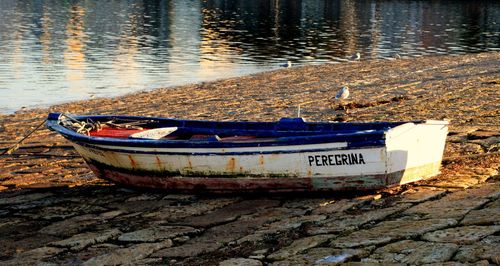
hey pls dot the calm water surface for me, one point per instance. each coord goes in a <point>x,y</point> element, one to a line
<point>56,51</point>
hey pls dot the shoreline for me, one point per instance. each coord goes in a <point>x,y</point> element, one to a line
<point>437,87</point>
<point>46,186</point>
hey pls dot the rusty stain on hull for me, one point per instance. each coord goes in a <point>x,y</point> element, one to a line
<point>231,164</point>
<point>133,163</point>
<point>242,184</point>
<point>158,162</point>
<point>261,159</point>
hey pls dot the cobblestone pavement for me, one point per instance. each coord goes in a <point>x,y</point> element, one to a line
<point>54,211</point>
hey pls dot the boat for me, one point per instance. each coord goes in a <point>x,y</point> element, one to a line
<point>238,156</point>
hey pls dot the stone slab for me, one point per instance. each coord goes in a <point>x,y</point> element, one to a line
<point>127,256</point>
<point>419,195</point>
<point>347,223</point>
<point>486,249</point>
<point>299,246</point>
<point>388,231</point>
<point>455,205</point>
<point>461,235</point>
<point>81,241</point>
<point>157,233</point>
<point>486,216</point>
<point>229,213</point>
<point>240,262</point>
<point>323,256</point>
<point>413,253</point>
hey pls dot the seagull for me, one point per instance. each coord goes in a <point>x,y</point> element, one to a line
<point>356,57</point>
<point>342,94</point>
<point>287,65</point>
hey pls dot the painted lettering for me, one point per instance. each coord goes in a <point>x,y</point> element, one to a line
<point>316,158</point>
<point>330,159</point>
<point>354,158</point>
<point>344,159</point>
<point>336,159</point>
<point>311,160</point>
<point>361,160</point>
<point>324,159</point>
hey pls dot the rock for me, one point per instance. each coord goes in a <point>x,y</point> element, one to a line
<point>471,148</point>
<point>181,239</point>
<point>71,226</point>
<point>372,264</point>
<point>144,197</point>
<point>461,235</point>
<point>413,252</point>
<point>240,262</point>
<point>323,256</point>
<point>229,213</point>
<point>110,214</point>
<point>32,257</point>
<point>486,249</point>
<point>215,237</point>
<point>391,230</point>
<point>458,181</point>
<point>176,213</point>
<point>336,206</point>
<point>24,198</point>
<point>487,216</point>
<point>489,144</point>
<point>481,134</point>
<point>347,223</point>
<point>157,233</point>
<point>299,246</point>
<point>419,195</point>
<point>129,255</point>
<point>455,205</point>
<point>81,241</point>
<point>292,223</point>
<point>188,250</point>
<point>180,197</point>
<point>260,251</point>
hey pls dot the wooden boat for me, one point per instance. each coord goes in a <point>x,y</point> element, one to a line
<point>288,155</point>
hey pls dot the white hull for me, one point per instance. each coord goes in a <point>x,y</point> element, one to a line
<point>412,152</point>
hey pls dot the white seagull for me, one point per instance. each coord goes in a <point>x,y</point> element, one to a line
<point>342,94</point>
<point>287,65</point>
<point>356,57</point>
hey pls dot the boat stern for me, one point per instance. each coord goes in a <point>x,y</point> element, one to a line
<point>415,151</point>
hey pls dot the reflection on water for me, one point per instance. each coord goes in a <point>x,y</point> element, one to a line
<point>53,51</point>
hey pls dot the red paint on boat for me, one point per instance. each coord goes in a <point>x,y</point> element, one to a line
<point>109,132</point>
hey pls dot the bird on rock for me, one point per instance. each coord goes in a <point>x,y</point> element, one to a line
<point>356,57</point>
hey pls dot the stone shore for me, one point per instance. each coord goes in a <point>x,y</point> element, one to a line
<point>53,211</point>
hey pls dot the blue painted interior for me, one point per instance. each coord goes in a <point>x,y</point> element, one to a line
<point>287,131</point>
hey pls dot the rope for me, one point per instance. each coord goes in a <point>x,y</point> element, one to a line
<point>16,146</point>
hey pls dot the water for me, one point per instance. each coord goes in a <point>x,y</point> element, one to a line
<point>56,51</point>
